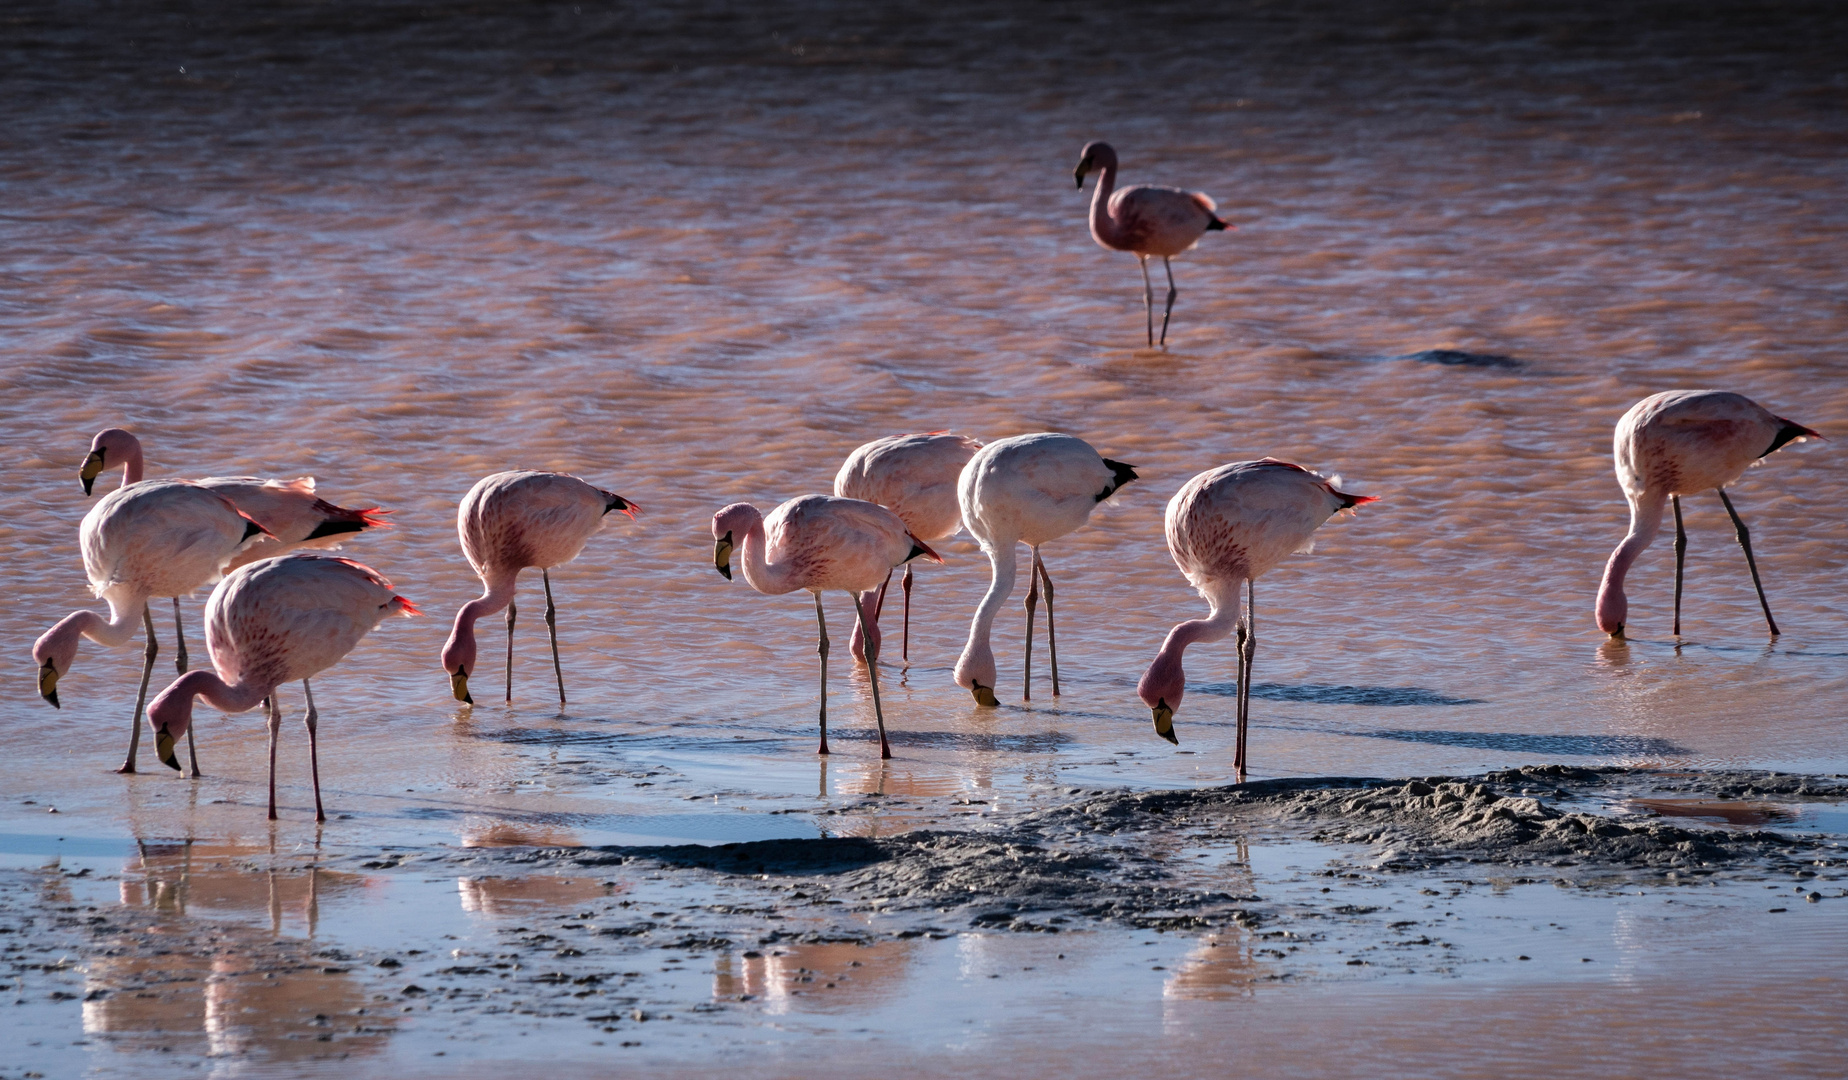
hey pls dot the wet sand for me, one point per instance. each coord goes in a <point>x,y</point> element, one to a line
<point>697,254</point>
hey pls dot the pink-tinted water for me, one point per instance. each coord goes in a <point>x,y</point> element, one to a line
<point>697,254</point>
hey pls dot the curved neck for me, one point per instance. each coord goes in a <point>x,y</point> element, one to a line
<point>1166,679</point>
<point>172,709</point>
<point>1103,226</point>
<point>459,650</point>
<point>763,575</point>
<point>116,630</point>
<point>1645,521</point>
<point>977,663</point>
<point>132,468</point>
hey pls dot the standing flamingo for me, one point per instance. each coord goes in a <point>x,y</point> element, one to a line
<point>1145,220</point>
<point>508,522</point>
<point>1225,527</point>
<point>155,538</point>
<point>1679,443</point>
<point>819,542</point>
<point>290,513</point>
<point>271,623</point>
<point>914,476</point>
<point>1028,489</point>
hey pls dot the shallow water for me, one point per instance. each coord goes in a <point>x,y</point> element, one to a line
<point>697,255</point>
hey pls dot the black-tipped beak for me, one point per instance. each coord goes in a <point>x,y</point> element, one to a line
<point>1164,721</point>
<point>48,684</point>
<point>984,696</point>
<point>1078,176</point>
<point>458,685</point>
<point>163,749</point>
<point>92,466</point>
<point>721,555</point>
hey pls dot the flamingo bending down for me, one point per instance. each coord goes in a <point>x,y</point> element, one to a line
<point>1145,220</point>
<point>1028,489</point>
<point>508,522</point>
<point>156,538</point>
<point>288,510</point>
<point>914,476</point>
<point>271,623</point>
<point>1679,443</point>
<point>1225,527</point>
<point>820,542</point>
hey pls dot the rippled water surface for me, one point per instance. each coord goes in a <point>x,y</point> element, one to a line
<point>698,253</point>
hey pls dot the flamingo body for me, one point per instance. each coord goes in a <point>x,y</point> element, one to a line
<point>1226,527</point>
<point>508,522</point>
<point>1027,489</point>
<point>1677,443</point>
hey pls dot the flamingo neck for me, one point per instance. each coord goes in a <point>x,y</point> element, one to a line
<point>172,710</point>
<point>977,663</point>
<point>1103,226</point>
<point>1166,679</point>
<point>1645,522</point>
<point>459,651</point>
<point>762,574</point>
<point>132,469</point>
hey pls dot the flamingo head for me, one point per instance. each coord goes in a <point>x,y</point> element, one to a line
<point>459,656</point>
<point>975,672</point>
<point>54,653</point>
<point>170,716</point>
<point>1096,155</point>
<point>730,525</point>
<point>1613,608</point>
<point>1161,688</point>
<point>111,447</point>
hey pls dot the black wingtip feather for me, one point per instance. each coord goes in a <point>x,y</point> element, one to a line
<point>1124,474</point>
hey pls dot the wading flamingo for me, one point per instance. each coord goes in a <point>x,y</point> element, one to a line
<point>271,623</point>
<point>288,510</point>
<point>155,538</point>
<point>914,476</point>
<point>1680,443</point>
<point>1145,220</point>
<point>1225,527</point>
<point>508,522</point>
<point>820,542</point>
<point>1028,490</point>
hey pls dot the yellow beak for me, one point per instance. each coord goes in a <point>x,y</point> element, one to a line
<point>48,684</point>
<point>92,466</point>
<point>721,555</point>
<point>163,749</point>
<point>458,685</point>
<point>1164,722</point>
<point>984,695</point>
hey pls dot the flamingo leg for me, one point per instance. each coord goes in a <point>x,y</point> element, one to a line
<point>1681,558</point>
<point>141,698</point>
<point>275,727</point>
<point>1247,648</point>
<point>872,675</point>
<point>192,751</point>
<point>1745,541</point>
<point>880,605</point>
<point>512,611</point>
<point>179,635</point>
<point>314,757</point>
<point>856,641</point>
<point>821,625</point>
<point>1052,635</point>
<point>904,652</point>
<point>1172,293</point>
<point>1148,298</point>
<point>1026,665</point>
<point>551,627</point>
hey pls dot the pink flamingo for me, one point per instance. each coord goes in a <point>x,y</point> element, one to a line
<point>508,522</point>
<point>155,538</point>
<point>1680,443</point>
<point>290,513</point>
<point>1029,489</point>
<point>271,623</point>
<point>1145,220</point>
<point>914,476</point>
<point>1225,527</point>
<point>819,542</point>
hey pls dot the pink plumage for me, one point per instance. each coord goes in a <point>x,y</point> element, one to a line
<point>1677,443</point>
<point>1226,527</point>
<point>271,623</point>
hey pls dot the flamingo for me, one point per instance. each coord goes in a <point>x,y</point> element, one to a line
<point>820,542</point>
<point>1145,220</point>
<point>1679,443</point>
<point>154,538</point>
<point>508,522</point>
<point>290,513</point>
<point>914,476</point>
<point>1225,527</point>
<point>270,623</point>
<point>1028,489</point>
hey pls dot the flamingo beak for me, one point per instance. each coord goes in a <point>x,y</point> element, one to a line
<point>721,555</point>
<point>1078,173</point>
<point>92,466</point>
<point>48,684</point>
<point>1164,721</point>
<point>984,696</point>
<point>458,685</point>
<point>163,749</point>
